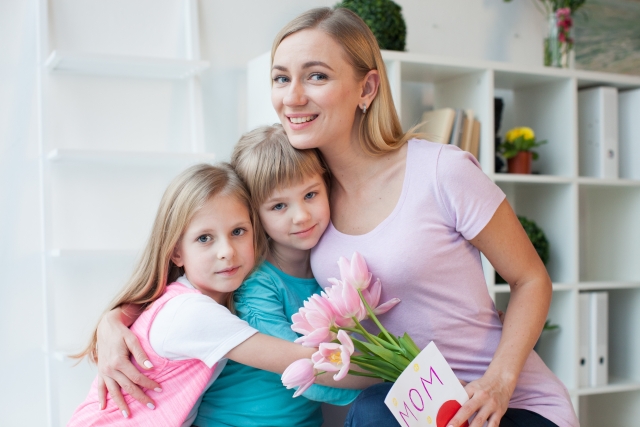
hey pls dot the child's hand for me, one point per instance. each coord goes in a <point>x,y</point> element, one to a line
<point>115,371</point>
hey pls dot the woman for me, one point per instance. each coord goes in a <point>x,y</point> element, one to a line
<point>420,213</point>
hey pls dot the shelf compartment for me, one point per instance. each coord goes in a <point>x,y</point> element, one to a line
<point>123,65</point>
<point>108,204</point>
<point>137,158</point>
<point>546,104</point>
<point>609,233</point>
<point>556,347</point>
<point>616,385</point>
<point>530,178</point>
<point>552,207</point>
<point>610,409</point>
<point>68,254</point>
<point>118,114</point>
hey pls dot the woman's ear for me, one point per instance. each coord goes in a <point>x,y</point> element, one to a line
<point>176,256</point>
<point>371,83</point>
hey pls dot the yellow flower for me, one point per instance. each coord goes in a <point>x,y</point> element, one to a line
<point>515,133</point>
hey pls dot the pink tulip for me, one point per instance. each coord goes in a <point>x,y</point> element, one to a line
<point>333,357</point>
<point>314,321</point>
<point>345,301</point>
<point>372,296</point>
<point>299,374</point>
<point>355,273</point>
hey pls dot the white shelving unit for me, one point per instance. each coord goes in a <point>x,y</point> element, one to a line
<point>115,129</point>
<point>592,224</point>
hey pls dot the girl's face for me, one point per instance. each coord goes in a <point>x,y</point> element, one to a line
<point>297,216</point>
<point>315,91</point>
<point>216,250</point>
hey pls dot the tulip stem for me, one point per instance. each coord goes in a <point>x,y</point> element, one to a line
<point>375,319</point>
<point>364,332</point>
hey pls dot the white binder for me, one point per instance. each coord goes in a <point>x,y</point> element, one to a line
<point>584,312</point>
<point>598,132</point>
<point>629,133</point>
<point>598,354</point>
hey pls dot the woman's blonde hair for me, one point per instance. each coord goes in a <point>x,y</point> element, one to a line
<point>380,129</point>
<point>265,160</point>
<point>187,193</point>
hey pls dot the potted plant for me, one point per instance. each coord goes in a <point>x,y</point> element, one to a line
<point>384,18</point>
<point>516,148</point>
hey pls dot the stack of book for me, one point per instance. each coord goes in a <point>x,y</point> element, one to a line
<point>452,126</point>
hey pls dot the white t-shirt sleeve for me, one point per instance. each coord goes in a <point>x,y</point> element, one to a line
<point>194,326</point>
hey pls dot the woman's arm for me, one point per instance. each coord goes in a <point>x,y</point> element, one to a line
<point>506,245</point>
<point>273,354</point>
<point>115,370</point>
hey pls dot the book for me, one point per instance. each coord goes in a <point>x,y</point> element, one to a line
<point>584,311</point>
<point>629,133</point>
<point>456,131</point>
<point>599,339</point>
<point>467,130</point>
<point>474,144</point>
<point>427,393</point>
<point>598,132</point>
<point>437,124</point>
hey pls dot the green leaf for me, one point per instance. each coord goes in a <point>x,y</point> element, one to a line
<point>407,343</point>
<point>395,359</point>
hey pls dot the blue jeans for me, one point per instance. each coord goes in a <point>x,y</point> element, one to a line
<point>369,410</point>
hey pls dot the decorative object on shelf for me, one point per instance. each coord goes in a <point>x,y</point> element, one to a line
<point>547,330</point>
<point>538,240</point>
<point>558,45</point>
<point>607,36</point>
<point>384,17</point>
<point>517,149</point>
<point>498,106</point>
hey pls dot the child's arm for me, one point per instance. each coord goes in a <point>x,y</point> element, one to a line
<point>263,303</point>
<point>273,354</point>
<point>115,370</point>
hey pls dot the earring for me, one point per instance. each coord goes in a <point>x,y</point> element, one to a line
<point>364,108</point>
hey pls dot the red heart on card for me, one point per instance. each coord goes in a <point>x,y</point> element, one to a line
<point>446,412</point>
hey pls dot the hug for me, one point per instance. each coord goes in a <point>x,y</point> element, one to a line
<point>202,331</point>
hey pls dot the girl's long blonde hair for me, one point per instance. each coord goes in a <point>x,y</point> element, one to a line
<point>187,193</point>
<point>380,129</point>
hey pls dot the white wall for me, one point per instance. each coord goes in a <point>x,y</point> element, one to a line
<point>232,32</point>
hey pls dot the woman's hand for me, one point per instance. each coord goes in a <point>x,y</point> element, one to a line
<point>115,343</point>
<point>488,399</point>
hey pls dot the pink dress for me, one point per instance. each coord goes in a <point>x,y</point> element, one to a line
<point>183,381</point>
<point>422,255</point>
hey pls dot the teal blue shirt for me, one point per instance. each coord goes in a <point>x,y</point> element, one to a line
<point>245,396</point>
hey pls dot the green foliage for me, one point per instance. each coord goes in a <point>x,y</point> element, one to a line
<point>510,149</point>
<point>549,327</point>
<point>384,18</point>
<point>538,239</point>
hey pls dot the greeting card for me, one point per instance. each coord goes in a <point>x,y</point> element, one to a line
<point>427,393</point>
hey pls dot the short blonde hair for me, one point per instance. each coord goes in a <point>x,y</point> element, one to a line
<point>186,194</point>
<point>380,129</point>
<point>265,160</point>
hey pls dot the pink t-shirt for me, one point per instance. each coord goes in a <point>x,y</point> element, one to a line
<point>422,255</point>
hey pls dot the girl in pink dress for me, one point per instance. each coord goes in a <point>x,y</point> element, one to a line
<point>202,245</point>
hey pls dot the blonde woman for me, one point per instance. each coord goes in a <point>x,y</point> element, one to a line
<point>420,213</point>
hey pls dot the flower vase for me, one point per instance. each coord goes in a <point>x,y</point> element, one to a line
<point>558,44</point>
<point>520,163</point>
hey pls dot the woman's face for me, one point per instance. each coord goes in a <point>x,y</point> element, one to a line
<point>315,91</point>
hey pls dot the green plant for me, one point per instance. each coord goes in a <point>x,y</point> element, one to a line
<point>517,140</point>
<point>549,327</point>
<point>384,18</point>
<point>538,239</point>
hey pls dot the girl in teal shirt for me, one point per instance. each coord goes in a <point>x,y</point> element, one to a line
<point>289,188</point>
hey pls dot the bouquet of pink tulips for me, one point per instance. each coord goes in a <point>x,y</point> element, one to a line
<point>326,321</point>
